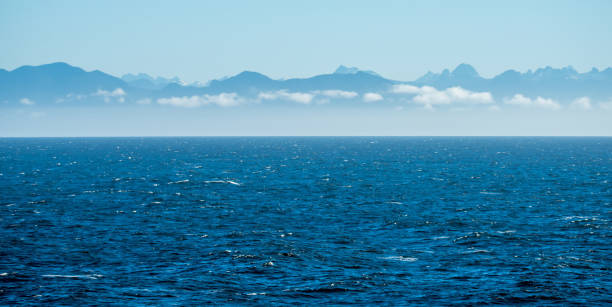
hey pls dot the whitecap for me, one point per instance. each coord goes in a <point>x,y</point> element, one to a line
<point>580,218</point>
<point>179,181</point>
<point>91,276</point>
<point>223,181</point>
<point>232,182</point>
<point>401,258</point>
<point>476,251</point>
<point>489,193</point>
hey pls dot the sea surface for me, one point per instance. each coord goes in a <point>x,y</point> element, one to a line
<point>290,220</point>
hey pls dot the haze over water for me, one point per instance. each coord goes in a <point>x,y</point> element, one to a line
<point>378,220</point>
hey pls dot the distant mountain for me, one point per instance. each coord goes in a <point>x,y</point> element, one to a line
<point>145,81</point>
<point>52,81</point>
<point>62,83</point>
<point>558,83</point>
<point>244,83</point>
<point>252,83</point>
<point>352,70</point>
<point>464,75</point>
<point>359,81</point>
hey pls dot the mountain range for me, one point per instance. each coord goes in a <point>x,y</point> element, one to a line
<point>58,83</point>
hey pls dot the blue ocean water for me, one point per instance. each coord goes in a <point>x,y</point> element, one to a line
<point>365,220</point>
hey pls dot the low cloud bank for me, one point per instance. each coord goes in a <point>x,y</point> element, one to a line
<point>426,96</point>
<point>337,94</point>
<point>372,97</point>
<point>26,101</point>
<point>303,98</point>
<point>430,96</point>
<point>223,100</point>
<point>539,102</point>
<point>118,94</point>
<point>582,103</point>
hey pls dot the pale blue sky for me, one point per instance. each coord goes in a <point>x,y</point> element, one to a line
<point>198,40</point>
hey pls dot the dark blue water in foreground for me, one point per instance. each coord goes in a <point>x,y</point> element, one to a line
<point>306,220</point>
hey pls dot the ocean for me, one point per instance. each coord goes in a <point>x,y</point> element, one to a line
<point>306,220</point>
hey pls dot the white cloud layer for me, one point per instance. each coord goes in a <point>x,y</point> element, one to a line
<point>233,99</point>
<point>430,96</point>
<point>545,103</point>
<point>337,94</point>
<point>118,94</point>
<point>372,97</point>
<point>26,101</point>
<point>304,98</point>
<point>405,89</point>
<point>582,103</point>
<point>223,100</point>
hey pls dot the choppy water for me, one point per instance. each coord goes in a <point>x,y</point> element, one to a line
<point>306,220</point>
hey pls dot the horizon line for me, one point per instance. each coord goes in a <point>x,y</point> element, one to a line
<point>311,136</point>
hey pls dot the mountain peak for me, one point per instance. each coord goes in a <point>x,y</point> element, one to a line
<point>465,71</point>
<point>58,64</point>
<point>56,67</point>
<point>134,77</point>
<point>143,76</point>
<point>247,74</point>
<point>346,70</point>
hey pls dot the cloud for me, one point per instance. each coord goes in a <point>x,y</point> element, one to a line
<point>583,103</point>
<point>405,89</point>
<point>304,98</point>
<point>26,101</point>
<point>545,103</point>
<point>337,94</point>
<point>185,102</point>
<point>223,100</point>
<point>118,94</point>
<point>307,98</point>
<point>372,97</point>
<point>430,96</point>
<point>519,100</point>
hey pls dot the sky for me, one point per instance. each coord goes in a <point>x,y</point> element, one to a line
<point>401,40</point>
